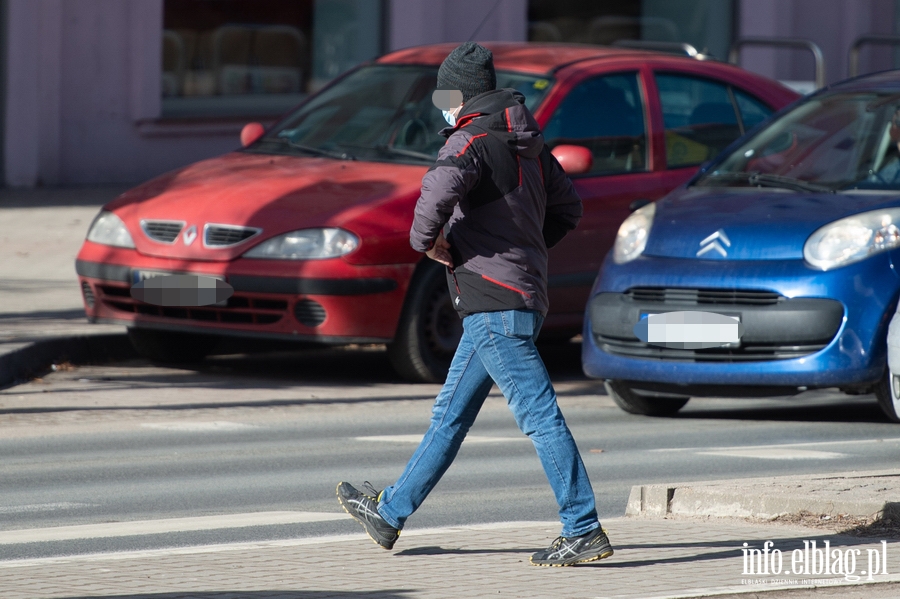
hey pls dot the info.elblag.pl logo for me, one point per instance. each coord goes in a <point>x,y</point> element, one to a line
<point>816,561</point>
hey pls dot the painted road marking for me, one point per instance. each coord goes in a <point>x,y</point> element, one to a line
<point>418,439</point>
<point>784,451</point>
<point>43,507</point>
<point>197,427</point>
<point>776,453</point>
<point>162,526</point>
<point>551,528</point>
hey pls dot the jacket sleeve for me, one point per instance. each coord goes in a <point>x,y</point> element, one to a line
<point>563,203</point>
<point>454,174</point>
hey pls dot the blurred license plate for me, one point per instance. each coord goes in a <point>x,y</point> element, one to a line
<point>734,345</point>
<point>142,275</point>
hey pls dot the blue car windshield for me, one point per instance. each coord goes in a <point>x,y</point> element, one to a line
<point>839,141</point>
<point>382,113</point>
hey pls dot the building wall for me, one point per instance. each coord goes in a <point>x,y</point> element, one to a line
<point>832,24</point>
<point>83,76</point>
<point>83,90</point>
<point>83,85</point>
<point>418,22</point>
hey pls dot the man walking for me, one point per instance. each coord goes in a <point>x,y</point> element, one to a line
<point>502,200</point>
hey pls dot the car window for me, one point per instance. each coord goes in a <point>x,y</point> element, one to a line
<point>753,112</point>
<point>379,112</point>
<point>831,141</point>
<point>604,114</point>
<point>699,118</point>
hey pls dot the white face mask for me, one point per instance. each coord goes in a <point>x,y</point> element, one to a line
<point>448,116</point>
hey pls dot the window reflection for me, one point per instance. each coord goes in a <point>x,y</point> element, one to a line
<point>259,57</point>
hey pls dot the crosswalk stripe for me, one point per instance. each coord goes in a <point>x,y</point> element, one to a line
<point>775,453</point>
<point>470,439</point>
<point>551,528</point>
<point>161,526</point>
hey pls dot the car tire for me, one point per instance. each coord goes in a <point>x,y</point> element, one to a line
<point>429,329</point>
<point>170,347</point>
<point>886,390</point>
<point>634,403</point>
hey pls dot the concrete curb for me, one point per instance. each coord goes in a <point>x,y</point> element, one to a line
<point>32,358</point>
<point>869,494</point>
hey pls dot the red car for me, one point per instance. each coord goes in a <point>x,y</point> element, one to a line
<point>309,221</point>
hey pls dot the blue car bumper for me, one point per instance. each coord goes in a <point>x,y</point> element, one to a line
<point>852,353</point>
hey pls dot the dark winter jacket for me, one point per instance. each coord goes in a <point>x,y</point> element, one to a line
<point>501,199</point>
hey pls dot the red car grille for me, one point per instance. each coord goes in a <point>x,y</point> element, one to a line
<point>240,309</point>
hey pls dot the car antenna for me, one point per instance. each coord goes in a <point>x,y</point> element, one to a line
<point>483,21</point>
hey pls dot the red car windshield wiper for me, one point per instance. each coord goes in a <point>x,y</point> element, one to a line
<point>408,153</point>
<point>318,151</point>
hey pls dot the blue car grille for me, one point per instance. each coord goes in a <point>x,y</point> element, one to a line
<point>757,353</point>
<point>776,327</point>
<point>731,297</point>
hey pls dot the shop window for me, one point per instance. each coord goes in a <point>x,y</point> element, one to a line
<point>705,24</point>
<point>258,58</point>
<point>605,115</point>
<point>699,117</point>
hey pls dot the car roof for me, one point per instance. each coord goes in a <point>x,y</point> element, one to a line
<point>883,80</point>
<point>527,57</point>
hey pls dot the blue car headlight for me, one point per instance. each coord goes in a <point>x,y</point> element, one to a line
<point>852,239</point>
<point>633,233</point>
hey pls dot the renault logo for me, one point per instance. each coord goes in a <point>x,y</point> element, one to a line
<point>189,235</point>
<point>713,243</point>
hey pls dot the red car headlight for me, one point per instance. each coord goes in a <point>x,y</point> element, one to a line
<point>306,244</point>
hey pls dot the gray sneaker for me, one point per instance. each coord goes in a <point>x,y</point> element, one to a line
<point>575,550</point>
<point>364,509</point>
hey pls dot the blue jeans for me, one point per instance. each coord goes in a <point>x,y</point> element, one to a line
<point>497,347</point>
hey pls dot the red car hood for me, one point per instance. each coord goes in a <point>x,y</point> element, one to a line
<point>274,193</point>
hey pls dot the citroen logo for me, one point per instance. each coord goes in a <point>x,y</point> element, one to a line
<point>189,235</point>
<point>713,243</point>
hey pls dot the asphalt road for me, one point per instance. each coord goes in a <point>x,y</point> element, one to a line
<point>249,448</point>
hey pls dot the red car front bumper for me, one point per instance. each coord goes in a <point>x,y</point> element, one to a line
<point>328,301</point>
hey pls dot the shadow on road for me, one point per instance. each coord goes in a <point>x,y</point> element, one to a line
<point>356,364</point>
<point>816,406</point>
<point>387,594</point>
<point>49,197</point>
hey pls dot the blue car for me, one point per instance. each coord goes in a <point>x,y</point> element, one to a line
<point>792,233</point>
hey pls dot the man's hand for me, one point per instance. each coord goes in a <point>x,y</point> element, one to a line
<point>440,251</point>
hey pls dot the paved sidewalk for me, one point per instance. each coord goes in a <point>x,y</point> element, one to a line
<point>654,559</point>
<point>869,494</point>
<point>41,312</point>
<point>41,321</point>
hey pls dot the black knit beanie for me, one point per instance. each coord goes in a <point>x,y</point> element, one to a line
<point>470,69</point>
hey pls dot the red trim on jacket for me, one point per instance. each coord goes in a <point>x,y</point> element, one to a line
<point>518,157</point>
<point>466,147</point>
<point>510,287</point>
<point>466,119</point>
<point>455,282</point>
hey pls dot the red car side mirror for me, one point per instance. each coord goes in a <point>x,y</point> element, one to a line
<point>575,160</point>
<point>251,132</point>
